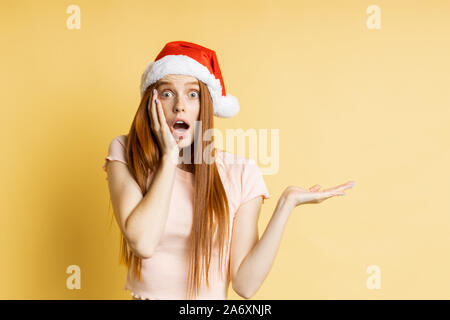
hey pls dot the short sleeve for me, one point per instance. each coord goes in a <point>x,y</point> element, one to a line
<point>252,183</point>
<point>116,151</point>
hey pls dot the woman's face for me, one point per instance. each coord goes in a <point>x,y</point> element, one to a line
<point>180,98</point>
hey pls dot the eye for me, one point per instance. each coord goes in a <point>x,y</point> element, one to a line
<point>164,93</point>
<point>195,94</point>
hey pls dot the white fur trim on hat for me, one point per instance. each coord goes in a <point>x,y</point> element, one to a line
<point>224,106</point>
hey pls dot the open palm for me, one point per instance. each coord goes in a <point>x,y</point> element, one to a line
<point>297,195</point>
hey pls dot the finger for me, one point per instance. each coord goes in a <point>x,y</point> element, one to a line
<point>155,120</point>
<point>315,188</point>
<point>161,116</point>
<point>349,184</point>
<point>164,123</point>
<point>345,186</point>
<point>342,187</point>
<point>333,193</point>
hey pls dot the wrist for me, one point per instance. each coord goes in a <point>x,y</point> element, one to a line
<point>286,204</point>
<point>169,159</point>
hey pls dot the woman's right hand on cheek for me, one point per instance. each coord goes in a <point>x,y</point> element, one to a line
<point>158,124</point>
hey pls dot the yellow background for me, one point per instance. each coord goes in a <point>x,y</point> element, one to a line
<point>351,104</point>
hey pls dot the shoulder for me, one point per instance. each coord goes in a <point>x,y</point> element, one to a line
<point>122,139</point>
<point>232,159</point>
<point>242,175</point>
<point>118,143</point>
<point>116,150</point>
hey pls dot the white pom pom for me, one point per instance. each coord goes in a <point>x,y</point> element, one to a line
<point>226,107</point>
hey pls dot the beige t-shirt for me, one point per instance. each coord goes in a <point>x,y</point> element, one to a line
<point>165,273</point>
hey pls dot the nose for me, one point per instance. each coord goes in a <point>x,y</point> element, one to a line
<point>179,106</point>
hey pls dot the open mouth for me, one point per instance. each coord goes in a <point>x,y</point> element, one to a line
<point>180,125</point>
<point>180,129</point>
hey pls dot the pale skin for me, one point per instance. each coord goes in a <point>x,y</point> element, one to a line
<point>142,219</point>
<point>175,96</point>
<point>252,258</point>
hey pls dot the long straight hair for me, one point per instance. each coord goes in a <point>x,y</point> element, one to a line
<point>210,203</point>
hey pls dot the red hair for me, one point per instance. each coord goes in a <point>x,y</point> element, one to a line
<point>210,203</point>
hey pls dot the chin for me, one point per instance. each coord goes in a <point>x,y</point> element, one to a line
<point>186,142</point>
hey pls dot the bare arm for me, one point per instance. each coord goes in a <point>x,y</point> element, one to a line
<point>252,258</point>
<point>142,219</point>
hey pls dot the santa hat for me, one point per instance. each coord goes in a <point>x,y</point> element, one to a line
<point>181,57</point>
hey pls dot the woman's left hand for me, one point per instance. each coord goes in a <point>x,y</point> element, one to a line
<point>295,195</point>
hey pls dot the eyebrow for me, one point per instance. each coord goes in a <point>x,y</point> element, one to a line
<point>162,82</point>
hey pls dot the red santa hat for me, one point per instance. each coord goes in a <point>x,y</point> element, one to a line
<point>181,57</point>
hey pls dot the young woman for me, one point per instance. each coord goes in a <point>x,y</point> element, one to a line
<point>189,227</point>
